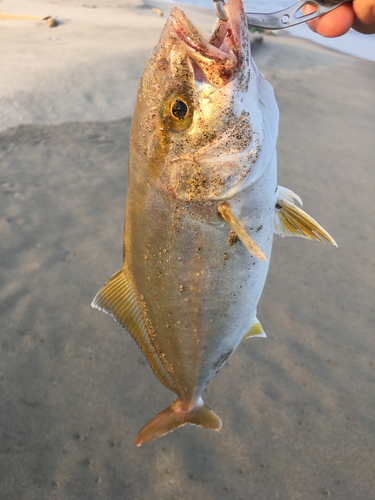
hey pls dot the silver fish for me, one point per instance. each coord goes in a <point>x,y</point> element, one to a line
<point>202,206</point>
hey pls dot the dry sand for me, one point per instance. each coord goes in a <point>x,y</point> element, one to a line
<point>298,408</point>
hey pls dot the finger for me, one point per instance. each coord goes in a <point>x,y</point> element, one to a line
<point>334,23</point>
<point>364,16</point>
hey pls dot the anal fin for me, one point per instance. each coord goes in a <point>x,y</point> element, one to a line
<point>292,221</point>
<point>117,299</point>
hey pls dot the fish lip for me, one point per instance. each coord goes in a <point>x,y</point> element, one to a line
<point>192,38</point>
<point>185,36</point>
<point>220,60</point>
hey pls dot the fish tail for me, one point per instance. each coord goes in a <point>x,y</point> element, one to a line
<point>174,416</point>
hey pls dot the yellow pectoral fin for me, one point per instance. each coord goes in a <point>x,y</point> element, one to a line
<point>117,299</point>
<point>292,221</point>
<point>227,214</point>
<point>256,330</point>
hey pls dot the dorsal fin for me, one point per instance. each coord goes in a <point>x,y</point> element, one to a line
<point>292,221</point>
<point>256,330</point>
<point>117,299</point>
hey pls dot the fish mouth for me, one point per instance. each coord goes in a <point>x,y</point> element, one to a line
<point>220,58</point>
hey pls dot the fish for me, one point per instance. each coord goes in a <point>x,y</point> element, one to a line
<point>202,207</point>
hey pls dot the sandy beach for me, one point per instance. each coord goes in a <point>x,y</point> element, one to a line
<point>298,408</point>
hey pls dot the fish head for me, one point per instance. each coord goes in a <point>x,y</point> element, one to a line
<point>205,119</point>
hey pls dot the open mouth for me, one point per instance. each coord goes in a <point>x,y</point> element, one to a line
<point>219,58</point>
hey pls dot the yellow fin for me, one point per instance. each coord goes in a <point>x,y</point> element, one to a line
<point>116,298</point>
<point>227,214</point>
<point>256,330</point>
<point>292,221</point>
<point>174,416</point>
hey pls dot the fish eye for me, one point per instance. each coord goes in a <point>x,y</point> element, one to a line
<point>176,111</point>
<point>179,109</point>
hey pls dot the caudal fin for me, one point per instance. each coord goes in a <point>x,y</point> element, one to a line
<point>174,416</point>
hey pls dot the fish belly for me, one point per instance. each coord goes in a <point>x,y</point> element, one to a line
<point>198,289</point>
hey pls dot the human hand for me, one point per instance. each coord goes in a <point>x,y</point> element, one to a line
<point>359,15</point>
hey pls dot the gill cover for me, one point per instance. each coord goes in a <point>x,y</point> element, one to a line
<point>227,138</point>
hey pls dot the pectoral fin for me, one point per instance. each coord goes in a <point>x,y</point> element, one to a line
<point>227,214</point>
<point>292,221</point>
<point>117,299</point>
<point>256,330</point>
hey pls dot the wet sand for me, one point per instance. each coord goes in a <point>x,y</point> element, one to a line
<point>298,407</point>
